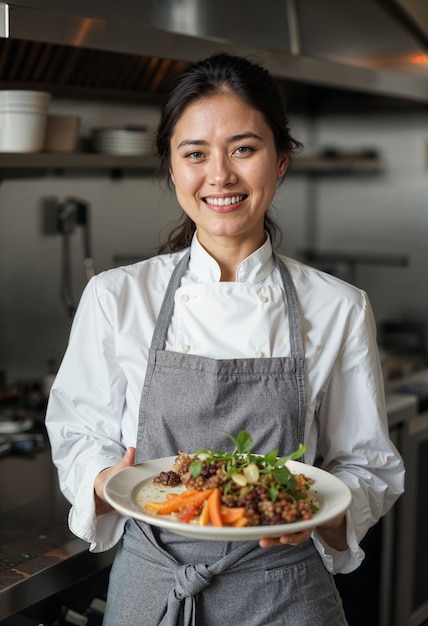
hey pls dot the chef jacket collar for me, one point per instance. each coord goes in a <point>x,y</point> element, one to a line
<point>253,269</point>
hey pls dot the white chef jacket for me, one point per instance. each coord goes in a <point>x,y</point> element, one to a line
<point>92,414</point>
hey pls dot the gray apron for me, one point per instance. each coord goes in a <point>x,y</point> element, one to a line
<point>159,578</point>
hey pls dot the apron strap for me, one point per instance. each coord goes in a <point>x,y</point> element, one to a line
<point>294,317</point>
<point>165,313</point>
<point>296,342</point>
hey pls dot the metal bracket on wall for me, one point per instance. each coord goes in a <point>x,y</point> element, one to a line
<point>61,217</point>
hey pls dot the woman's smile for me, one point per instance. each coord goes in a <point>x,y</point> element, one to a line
<point>225,204</point>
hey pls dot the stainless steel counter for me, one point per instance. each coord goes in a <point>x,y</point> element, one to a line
<point>39,556</point>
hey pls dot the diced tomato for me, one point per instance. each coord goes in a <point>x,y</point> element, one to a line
<point>187,513</point>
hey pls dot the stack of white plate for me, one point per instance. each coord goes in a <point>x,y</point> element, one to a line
<point>124,141</point>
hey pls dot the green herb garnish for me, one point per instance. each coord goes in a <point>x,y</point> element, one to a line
<point>244,469</point>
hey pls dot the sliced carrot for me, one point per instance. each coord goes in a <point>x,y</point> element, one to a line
<point>182,494</point>
<point>180,502</point>
<point>230,515</point>
<point>188,502</point>
<point>241,522</point>
<point>214,503</point>
<point>171,498</point>
<point>204,518</point>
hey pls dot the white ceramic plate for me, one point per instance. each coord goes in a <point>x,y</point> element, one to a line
<point>128,490</point>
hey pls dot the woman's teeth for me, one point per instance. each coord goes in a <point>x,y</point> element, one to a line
<point>224,201</point>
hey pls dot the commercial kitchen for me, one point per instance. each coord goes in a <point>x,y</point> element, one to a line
<point>88,198</point>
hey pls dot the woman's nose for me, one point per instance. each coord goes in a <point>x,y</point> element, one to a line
<point>221,171</point>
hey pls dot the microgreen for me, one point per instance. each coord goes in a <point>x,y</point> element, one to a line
<point>276,474</point>
<point>243,442</point>
<point>195,468</point>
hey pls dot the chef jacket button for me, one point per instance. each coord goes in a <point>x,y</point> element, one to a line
<point>262,298</point>
<point>185,347</point>
<point>258,354</point>
<point>184,297</point>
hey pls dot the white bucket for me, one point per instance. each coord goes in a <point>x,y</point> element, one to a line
<point>23,117</point>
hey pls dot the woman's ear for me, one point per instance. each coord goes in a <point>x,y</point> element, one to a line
<point>171,175</point>
<point>282,166</point>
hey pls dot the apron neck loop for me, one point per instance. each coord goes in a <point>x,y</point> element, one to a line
<point>293,309</point>
<point>161,329</point>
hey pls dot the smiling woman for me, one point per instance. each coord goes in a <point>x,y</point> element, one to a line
<point>254,93</point>
<point>221,335</point>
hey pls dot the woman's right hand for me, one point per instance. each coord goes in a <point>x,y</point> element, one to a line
<point>101,506</point>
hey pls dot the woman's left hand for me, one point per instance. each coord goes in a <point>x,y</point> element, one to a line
<point>333,533</point>
<point>291,539</point>
<point>101,505</point>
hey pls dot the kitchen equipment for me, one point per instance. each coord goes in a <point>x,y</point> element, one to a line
<point>61,133</point>
<point>22,444</point>
<point>61,218</point>
<point>374,50</point>
<point>72,212</point>
<point>10,424</point>
<point>408,566</point>
<point>23,117</point>
<point>411,571</point>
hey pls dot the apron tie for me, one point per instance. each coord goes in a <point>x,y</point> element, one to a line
<point>191,579</point>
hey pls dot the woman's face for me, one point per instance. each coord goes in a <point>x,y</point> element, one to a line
<point>225,167</point>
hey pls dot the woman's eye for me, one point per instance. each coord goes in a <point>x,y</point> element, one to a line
<point>244,150</point>
<point>194,155</point>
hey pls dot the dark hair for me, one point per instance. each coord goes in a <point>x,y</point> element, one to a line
<point>221,73</point>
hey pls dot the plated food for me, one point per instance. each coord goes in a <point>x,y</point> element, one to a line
<point>235,488</point>
<point>129,490</point>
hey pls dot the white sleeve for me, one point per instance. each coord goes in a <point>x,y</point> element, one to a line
<point>84,419</point>
<point>354,442</point>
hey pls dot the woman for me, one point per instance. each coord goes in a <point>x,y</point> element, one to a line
<point>157,358</point>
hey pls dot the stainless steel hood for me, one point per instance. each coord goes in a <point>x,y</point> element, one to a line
<point>370,47</point>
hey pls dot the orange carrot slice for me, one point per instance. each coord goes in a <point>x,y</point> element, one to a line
<point>204,518</point>
<point>241,522</point>
<point>188,492</point>
<point>214,503</point>
<point>180,502</point>
<point>231,515</point>
<point>171,498</point>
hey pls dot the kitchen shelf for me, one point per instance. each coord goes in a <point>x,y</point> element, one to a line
<point>24,165</point>
<point>340,164</point>
<point>328,261</point>
<point>355,258</point>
